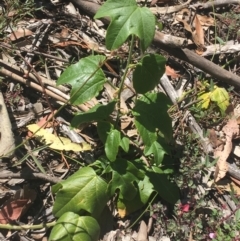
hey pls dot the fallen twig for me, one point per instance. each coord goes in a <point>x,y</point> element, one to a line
<point>30,175</point>
<point>229,47</point>
<point>6,72</point>
<point>201,63</point>
<point>216,3</point>
<point>170,9</point>
<point>21,72</point>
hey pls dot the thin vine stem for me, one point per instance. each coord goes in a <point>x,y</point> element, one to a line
<point>124,77</point>
<point>25,227</point>
<point>144,211</point>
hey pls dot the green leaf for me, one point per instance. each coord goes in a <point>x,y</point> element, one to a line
<point>148,137</point>
<point>70,226</point>
<point>148,73</point>
<point>151,117</point>
<point>205,100</point>
<point>124,177</point>
<point>98,112</point>
<point>103,128</point>
<point>221,97</point>
<point>125,144</point>
<point>169,191</point>
<point>112,144</point>
<point>237,215</point>
<point>145,189</point>
<point>85,77</point>
<point>84,190</point>
<point>127,19</point>
<point>157,150</point>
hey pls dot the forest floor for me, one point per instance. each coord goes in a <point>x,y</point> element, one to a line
<point>201,44</point>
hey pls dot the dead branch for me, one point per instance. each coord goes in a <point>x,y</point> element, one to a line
<point>170,9</point>
<point>228,47</point>
<point>30,175</point>
<point>216,3</point>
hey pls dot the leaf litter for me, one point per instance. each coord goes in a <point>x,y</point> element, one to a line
<point>70,48</point>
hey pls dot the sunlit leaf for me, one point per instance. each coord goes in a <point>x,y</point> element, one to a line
<point>57,142</point>
<point>86,78</point>
<point>112,144</point>
<point>205,100</point>
<point>71,226</point>
<point>127,19</point>
<point>221,97</point>
<point>84,190</point>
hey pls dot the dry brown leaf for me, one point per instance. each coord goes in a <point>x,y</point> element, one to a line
<point>12,210</point>
<point>199,30</point>
<point>214,139</point>
<point>231,130</point>
<point>12,13</point>
<point>69,43</point>
<point>16,206</point>
<point>183,14</point>
<point>235,180</point>
<point>125,122</point>
<point>171,72</point>
<point>185,24</point>
<point>142,233</point>
<point>228,185</point>
<point>131,133</point>
<point>195,37</point>
<point>20,33</point>
<point>206,21</point>
<point>64,33</point>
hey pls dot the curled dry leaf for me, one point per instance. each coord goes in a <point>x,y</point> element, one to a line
<point>17,205</point>
<point>228,185</point>
<point>205,21</point>
<point>20,33</point>
<point>214,139</point>
<point>171,72</point>
<point>231,130</point>
<point>195,38</point>
<point>199,30</point>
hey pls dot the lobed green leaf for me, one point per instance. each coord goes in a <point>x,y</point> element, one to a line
<point>98,112</point>
<point>144,191</point>
<point>86,78</point>
<point>148,72</point>
<point>83,191</point>
<point>151,117</point>
<point>125,176</point>
<point>127,19</point>
<point>168,190</point>
<point>70,226</point>
<point>112,144</point>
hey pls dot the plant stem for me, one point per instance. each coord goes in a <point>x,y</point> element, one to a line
<point>124,77</point>
<point>32,227</point>
<point>150,203</point>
